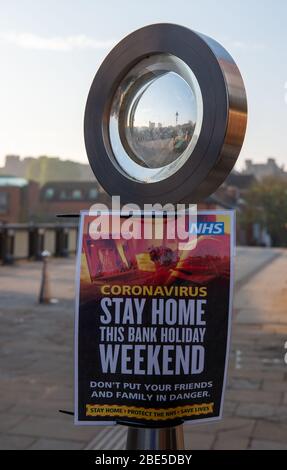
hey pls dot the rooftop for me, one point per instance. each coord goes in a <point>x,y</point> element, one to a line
<point>240,180</point>
<point>6,180</point>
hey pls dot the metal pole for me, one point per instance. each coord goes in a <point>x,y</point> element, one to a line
<point>45,297</point>
<point>155,438</point>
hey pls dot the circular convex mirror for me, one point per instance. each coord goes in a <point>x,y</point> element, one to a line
<point>165,117</point>
<point>155,118</point>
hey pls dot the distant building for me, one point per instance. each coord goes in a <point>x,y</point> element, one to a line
<point>18,199</point>
<point>43,169</point>
<point>13,166</point>
<point>237,184</point>
<point>64,197</point>
<point>230,195</point>
<point>23,201</point>
<point>263,170</point>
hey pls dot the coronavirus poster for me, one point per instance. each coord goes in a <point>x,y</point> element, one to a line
<point>152,319</point>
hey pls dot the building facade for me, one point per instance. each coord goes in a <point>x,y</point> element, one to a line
<point>264,170</point>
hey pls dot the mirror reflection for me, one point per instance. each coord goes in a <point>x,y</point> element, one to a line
<point>160,121</point>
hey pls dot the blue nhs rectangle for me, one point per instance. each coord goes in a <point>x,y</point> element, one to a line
<point>206,228</point>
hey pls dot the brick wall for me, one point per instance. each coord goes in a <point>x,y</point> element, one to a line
<point>12,212</point>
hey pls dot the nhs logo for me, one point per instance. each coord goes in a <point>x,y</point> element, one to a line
<point>206,228</point>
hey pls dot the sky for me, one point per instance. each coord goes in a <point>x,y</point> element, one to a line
<point>169,102</point>
<point>50,51</point>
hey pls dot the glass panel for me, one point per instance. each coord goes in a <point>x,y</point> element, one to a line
<point>77,194</point>
<point>49,193</point>
<point>93,193</point>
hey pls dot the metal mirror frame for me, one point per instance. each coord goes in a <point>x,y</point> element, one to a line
<point>223,122</point>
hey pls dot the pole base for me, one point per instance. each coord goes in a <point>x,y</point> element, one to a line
<point>155,438</point>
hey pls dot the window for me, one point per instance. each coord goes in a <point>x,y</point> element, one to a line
<point>93,193</point>
<point>3,203</point>
<point>49,193</point>
<point>63,195</point>
<point>77,194</point>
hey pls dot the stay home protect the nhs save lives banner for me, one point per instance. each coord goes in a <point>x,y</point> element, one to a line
<point>152,320</point>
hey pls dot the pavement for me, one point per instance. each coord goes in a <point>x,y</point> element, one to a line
<point>36,362</point>
<point>255,411</point>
